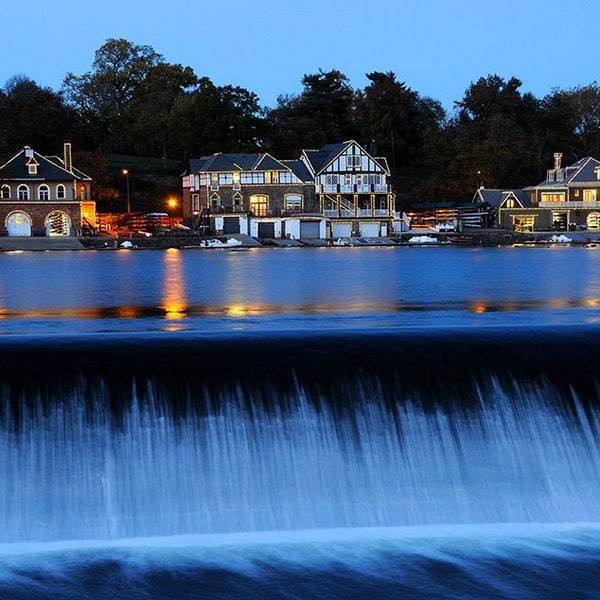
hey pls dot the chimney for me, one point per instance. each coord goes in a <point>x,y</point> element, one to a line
<point>68,160</point>
<point>557,159</point>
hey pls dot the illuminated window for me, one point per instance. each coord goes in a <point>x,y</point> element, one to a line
<point>44,192</point>
<point>593,220</point>
<point>547,197</point>
<point>589,195</point>
<point>214,181</point>
<point>259,204</point>
<point>236,180</point>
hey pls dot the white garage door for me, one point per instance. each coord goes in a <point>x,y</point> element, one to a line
<point>341,230</point>
<point>369,229</point>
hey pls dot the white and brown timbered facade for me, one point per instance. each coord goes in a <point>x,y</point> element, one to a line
<point>340,182</point>
<point>349,182</point>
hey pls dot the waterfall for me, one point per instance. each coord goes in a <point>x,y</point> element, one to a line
<point>348,431</point>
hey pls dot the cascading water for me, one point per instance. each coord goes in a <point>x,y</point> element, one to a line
<point>69,471</point>
<point>145,439</point>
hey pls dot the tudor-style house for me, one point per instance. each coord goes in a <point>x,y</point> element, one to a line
<point>351,188</point>
<point>44,195</point>
<point>341,183</point>
<point>567,199</point>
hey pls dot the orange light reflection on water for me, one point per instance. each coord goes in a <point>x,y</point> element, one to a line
<point>173,301</point>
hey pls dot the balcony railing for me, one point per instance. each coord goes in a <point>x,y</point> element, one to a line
<point>576,205</point>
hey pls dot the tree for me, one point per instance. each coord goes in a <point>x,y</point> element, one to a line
<point>217,119</point>
<point>322,113</point>
<point>572,119</point>
<point>395,117</point>
<point>152,106</point>
<point>104,95</point>
<point>34,116</point>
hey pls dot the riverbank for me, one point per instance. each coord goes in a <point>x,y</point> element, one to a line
<point>475,237</point>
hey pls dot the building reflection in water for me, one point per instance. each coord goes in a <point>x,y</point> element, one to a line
<point>173,289</point>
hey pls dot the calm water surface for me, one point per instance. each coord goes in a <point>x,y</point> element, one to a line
<point>109,291</point>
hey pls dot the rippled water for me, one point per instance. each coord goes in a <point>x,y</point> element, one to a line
<point>92,291</point>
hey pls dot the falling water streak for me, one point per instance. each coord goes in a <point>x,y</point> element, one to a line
<point>72,470</point>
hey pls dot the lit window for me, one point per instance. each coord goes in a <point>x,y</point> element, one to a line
<point>259,204</point>
<point>44,192</point>
<point>589,195</point>
<point>236,180</point>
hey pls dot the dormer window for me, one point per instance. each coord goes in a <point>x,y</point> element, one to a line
<point>32,168</point>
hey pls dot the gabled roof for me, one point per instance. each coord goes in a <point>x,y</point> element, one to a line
<point>48,168</point>
<point>299,169</point>
<point>236,162</point>
<point>318,160</point>
<point>496,198</point>
<point>583,171</point>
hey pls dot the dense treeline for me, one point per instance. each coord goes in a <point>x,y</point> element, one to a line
<point>133,102</point>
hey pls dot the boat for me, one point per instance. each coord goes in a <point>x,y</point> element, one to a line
<point>464,240</point>
<point>221,243</point>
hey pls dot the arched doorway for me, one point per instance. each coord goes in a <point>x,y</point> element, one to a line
<point>58,223</point>
<point>593,220</point>
<point>18,223</point>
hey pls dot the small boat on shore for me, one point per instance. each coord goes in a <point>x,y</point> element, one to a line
<point>464,240</point>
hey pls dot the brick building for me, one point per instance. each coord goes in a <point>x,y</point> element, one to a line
<point>44,195</point>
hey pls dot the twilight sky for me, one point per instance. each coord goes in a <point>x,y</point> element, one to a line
<point>437,47</point>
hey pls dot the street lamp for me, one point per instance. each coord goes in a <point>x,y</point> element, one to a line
<point>126,173</point>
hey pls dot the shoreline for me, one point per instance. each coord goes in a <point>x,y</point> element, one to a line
<point>469,238</point>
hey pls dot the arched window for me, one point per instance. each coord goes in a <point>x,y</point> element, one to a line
<point>259,204</point>
<point>238,202</point>
<point>82,192</point>
<point>23,192</point>
<point>60,191</point>
<point>44,192</point>
<point>215,203</point>
<point>5,192</point>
